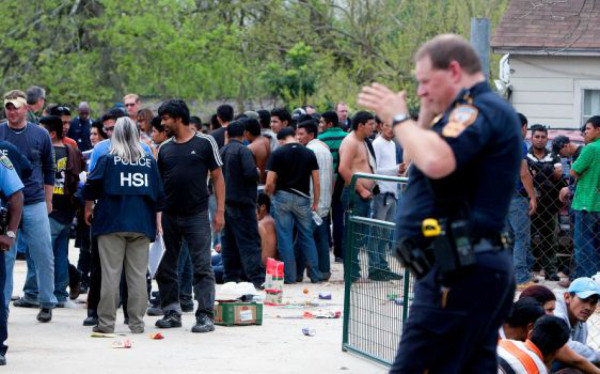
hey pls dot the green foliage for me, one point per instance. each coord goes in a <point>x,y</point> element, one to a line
<point>295,51</point>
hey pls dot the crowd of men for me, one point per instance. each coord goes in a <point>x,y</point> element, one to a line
<point>269,183</point>
<point>545,188</point>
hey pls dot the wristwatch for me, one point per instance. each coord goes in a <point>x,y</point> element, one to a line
<point>11,234</point>
<point>399,118</point>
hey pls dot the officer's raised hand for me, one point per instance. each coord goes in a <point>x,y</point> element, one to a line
<point>385,102</point>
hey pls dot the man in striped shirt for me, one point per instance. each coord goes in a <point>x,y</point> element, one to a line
<point>333,136</point>
<point>535,355</point>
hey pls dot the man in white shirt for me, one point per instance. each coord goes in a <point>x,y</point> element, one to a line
<point>384,203</point>
<point>306,135</point>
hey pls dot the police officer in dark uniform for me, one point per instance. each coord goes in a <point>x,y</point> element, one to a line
<point>449,227</point>
<point>11,200</point>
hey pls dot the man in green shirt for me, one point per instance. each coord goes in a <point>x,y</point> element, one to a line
<point>586,204</point>
<point>332,135</point>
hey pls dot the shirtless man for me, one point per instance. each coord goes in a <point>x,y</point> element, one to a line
<point>355,156</point>
<point>266,228</point>
<point>259,145</point>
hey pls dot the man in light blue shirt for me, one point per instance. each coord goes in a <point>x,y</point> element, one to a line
<point>575,307</point>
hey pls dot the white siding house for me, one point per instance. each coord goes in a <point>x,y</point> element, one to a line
<point>554,59</point>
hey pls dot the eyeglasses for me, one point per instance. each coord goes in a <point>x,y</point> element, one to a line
<point>129,104</point>
<point>108,129</point>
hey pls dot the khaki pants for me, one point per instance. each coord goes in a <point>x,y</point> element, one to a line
<point>118,250</point>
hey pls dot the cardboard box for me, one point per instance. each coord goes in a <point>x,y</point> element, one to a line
<point>238,313</point>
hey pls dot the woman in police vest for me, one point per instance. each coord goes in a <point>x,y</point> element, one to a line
<point>128,192</point>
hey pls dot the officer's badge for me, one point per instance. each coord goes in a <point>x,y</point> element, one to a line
<point>5,161</point>
<point>461,117</point>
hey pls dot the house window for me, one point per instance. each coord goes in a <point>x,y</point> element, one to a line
<point>591,104</point>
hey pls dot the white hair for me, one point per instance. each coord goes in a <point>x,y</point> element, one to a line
<point>125,141</point>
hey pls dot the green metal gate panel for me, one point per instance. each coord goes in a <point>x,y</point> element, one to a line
<point>374,310</point>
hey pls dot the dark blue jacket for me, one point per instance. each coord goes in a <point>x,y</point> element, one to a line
<point>240,173</point>
<point>80,132</point>
<point>129,196</point>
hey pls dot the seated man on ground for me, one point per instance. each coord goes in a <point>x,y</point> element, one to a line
<point>536,354</point>
<point>575,307</point>
<point>521,319</point>
<point>266,228</point>
<point>542,295</point>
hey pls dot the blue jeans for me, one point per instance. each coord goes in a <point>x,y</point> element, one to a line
<point>3,311</point>
<point>212,208</point>
<point>35,229</point>
<point>59,234</point>
<point>384,209</point>
<point>587,243</point>
<point>289,211</point>
<point>321,237</point>
<point>519,231</point>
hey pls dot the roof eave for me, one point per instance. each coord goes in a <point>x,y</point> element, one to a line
<point>542,51</point>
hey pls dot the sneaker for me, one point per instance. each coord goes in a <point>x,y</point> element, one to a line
<point>126,321</point>
<point>22,302</point>
<point>2,360</point>
<point>45,315</point>
<point>171,319</point>
<point>383,276</point>
<point>154,311</point>
<point>203,324</point>
<point>60,304</point>
<point>326,276</point>
<point>522,286</point>
<point>565,283</point>
<point>187,305</point>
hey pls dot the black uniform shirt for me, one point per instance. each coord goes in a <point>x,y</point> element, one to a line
<point>483,132</point>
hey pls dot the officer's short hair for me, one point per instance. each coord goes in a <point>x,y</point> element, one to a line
<point>443,49</point>
<point>175,108</point>
<point>524,311</point>
<point>53,123</point>
<point>549,334</point>
<point>538,128</point>
<point>34,94</point>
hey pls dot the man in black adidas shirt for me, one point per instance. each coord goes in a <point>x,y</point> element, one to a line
<point>184,162</point>
<point>290,170</point>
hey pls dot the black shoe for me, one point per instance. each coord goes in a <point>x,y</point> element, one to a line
<point>553,278</point>
<point>92,318</point>
<point>25,303</point>
<point>83,288</point>
<point>126,321</point>
<point>75,290</point>
<point>383,276</point>
<point>45,315</point>
<point>326,276</point>
<point>171,319</point>
<point>203,324</point>
<point>316,280</point>
<point>2,360</point>
<point>154,311</point>
<point>60,304</point>
<point>187,305</point>
<point>339,260</point>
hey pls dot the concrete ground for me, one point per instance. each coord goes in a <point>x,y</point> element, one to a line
<point>278,346</point>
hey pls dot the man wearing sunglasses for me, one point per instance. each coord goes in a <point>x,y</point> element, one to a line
<point>132,103</point>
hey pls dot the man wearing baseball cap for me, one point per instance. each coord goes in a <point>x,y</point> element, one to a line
<point>575,307</point>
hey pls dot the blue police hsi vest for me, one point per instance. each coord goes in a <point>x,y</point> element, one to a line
<point>125,178</point>
<point>128,193</point>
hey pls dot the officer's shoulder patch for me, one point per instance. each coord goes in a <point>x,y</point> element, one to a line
<point>461,117</point>
<point>5,161</point>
